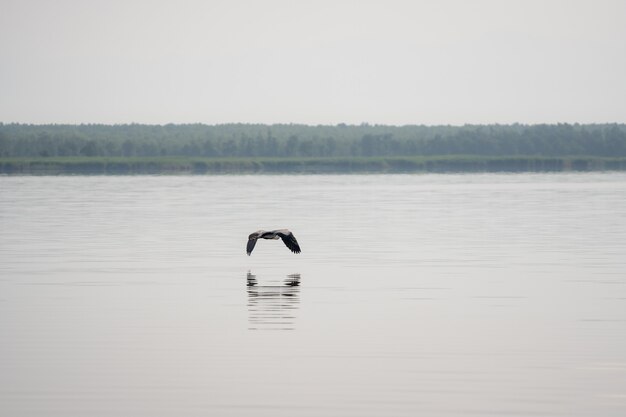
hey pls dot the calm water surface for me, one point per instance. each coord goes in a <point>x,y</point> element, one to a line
<point>435,295</point>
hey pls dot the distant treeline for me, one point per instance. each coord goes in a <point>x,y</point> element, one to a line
<point>303,141</point>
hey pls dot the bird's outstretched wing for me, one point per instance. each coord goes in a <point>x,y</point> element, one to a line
<point>289,240</point>
<point>250,246</point>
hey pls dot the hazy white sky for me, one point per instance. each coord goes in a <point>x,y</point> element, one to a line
<point>314,62</point>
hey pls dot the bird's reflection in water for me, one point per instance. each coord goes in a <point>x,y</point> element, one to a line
<point>273,307</point>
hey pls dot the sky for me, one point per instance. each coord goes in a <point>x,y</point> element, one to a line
<point>313,62</point>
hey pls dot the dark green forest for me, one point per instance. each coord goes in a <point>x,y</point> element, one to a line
<point>256,147</point>
<point>250,140</point>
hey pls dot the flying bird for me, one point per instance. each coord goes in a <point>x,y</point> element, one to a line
<point>288,239</point>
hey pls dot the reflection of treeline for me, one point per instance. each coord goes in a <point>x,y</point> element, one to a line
<point>194,165</point>
<point>301,141</point>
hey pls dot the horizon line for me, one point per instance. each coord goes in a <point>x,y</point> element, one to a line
<point>341,124</point>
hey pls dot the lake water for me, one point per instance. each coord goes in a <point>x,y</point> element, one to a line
<point>433,295</point>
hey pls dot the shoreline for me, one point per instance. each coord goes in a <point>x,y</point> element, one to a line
<point>360,165</point>
<point>216,166</point>
<point>330,165</point>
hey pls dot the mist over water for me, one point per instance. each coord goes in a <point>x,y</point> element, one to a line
<point>438,295</point>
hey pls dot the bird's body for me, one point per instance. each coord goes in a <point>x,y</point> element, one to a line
<point>288,239</point>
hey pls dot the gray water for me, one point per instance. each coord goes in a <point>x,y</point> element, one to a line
<point>435,295</point>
